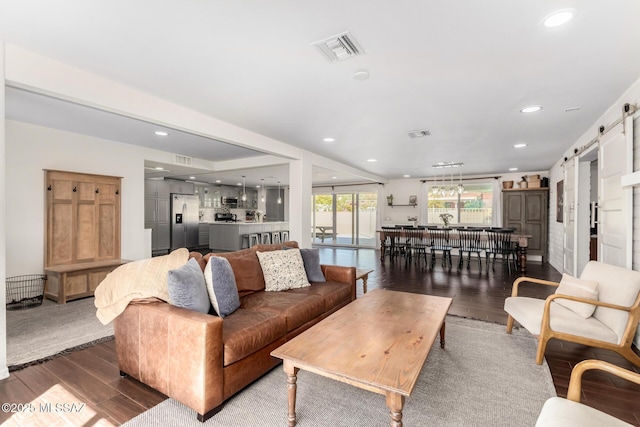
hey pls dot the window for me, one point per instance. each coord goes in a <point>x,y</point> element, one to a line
<point>472,207</point>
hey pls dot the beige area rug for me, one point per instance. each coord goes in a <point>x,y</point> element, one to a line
<point>40,332</point>
<point>484,377</point>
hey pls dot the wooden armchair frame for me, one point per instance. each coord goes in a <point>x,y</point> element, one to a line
<point>546,333</point>
<point>557,408</point>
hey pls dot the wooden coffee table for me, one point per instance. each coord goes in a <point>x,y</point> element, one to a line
<point>379,343</point>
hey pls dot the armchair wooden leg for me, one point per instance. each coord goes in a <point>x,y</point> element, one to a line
<point>542,346</point>
<point>509,324</point>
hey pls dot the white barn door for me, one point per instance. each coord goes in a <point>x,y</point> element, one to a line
<point>615,203</point>
<point>569,217</point>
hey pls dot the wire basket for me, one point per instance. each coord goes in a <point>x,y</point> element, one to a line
<point>25,291</point>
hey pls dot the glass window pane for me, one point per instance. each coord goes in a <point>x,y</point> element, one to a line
<point>472,207</point>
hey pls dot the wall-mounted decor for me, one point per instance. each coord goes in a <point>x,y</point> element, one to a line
<point>560,201</point>
<point>413,200</point>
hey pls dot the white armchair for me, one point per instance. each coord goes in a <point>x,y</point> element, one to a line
<point>612,325</point>
<point>559,412</point>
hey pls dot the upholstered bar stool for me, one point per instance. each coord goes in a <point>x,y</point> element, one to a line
<point>284,236</point>
<point>265,238</point>
<point>250,240</point>
<point>275,237</point>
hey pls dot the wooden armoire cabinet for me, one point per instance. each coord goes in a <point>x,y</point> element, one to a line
<point>82,236</point>
<point>527,210</point>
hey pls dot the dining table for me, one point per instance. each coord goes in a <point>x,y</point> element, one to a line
<point>522,241</point>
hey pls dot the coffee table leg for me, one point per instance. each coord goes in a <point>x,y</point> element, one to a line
<point>442,334</point>
<point>292,373</point>
<point>395,403</point>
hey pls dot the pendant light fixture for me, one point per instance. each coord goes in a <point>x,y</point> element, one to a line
<point>279,198</point>
<point>452,189</point>
<point>460,186</point>
<point>244,189</point>
<point>262,197</point>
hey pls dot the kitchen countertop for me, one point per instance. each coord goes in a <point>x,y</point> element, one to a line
<point>244,223</point>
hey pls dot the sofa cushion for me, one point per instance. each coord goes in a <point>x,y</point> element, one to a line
<point>244,332</point>
<point>334,294</point>
<point>283,270</point>
<point>187,288</point>
<point>311,259</point>
<point>573,286</point>
<point>246,267</point>
<point>221,286</point>
<point>529,312</point>
<point>297,309</point>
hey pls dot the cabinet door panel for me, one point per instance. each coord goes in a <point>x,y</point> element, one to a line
<point>535,242</point>
<point>85,232</point>
<point>534,208</point>
<point>513,208</point>
<point>107,239</point>
<point>150,213</point>
<point>61,232</point>
<point>163,237</point>
<point>164,211</point>
<point>76,284</point>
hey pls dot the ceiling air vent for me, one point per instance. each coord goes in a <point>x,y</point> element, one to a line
<point>413,134</point>
<point>339,47</point>
<point>183,160</point>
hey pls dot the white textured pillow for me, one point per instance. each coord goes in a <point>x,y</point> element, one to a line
<point>573,286</point>
<point>283,270</point>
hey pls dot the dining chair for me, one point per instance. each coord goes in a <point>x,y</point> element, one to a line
<point>389,244</point>
<point>417,245</point>
<point>499,243</point>
<point>440,242</point>
<point>470,242</point>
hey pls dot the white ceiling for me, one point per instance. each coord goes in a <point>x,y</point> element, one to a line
<point>462,70</point>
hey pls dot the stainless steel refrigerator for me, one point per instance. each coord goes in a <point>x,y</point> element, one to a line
<point>184,221</point>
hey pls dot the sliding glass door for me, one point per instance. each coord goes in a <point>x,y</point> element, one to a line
<point>344,219</point>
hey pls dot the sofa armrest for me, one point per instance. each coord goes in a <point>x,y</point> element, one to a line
<point>178,352</point>
<point>336,273</point>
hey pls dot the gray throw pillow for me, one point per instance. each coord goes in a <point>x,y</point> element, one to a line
<point>311,260</point>
<point>187,288</point>
<point>221,285</point>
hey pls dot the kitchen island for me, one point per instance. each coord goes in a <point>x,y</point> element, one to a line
<point>227,236</point>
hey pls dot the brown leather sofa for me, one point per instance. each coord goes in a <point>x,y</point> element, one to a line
<point>202,360</point>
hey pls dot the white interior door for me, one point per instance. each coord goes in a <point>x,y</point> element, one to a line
<point>569,217</point>
<point>615,203</point>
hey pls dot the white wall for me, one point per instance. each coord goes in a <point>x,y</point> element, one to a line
<point>29,150</point>
<point>4,372</point>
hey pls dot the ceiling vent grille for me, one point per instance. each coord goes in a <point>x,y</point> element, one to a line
<point>413,134</point>
<point>339,47</point>
<point>183,160</point>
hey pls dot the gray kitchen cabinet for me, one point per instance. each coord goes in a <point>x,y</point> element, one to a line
<point>156,188</point>
<point>157,214</point>
<point>203,236</point>
<point>181,187</point>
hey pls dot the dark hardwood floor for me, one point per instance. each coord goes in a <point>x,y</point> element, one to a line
<point>91,376</point>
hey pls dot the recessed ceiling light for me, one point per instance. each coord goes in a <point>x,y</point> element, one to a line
<point>161,133</point>
<point>239,183</point>
<point>159,168</point>
<point>570,109</point>
<point>407,176</point>
<point>521,145</point>
<point>334,177</point>
<point>257,186</point>
<point>361,75</point>
<point>218,181</point>
<point>371,160</point>
<point>513,169</point>
<point>558,18</point>
<point>328,139</point>
<point>531,109</point>
<point>192,177</point>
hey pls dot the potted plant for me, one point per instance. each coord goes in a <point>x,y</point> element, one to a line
<point>446,218</point>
